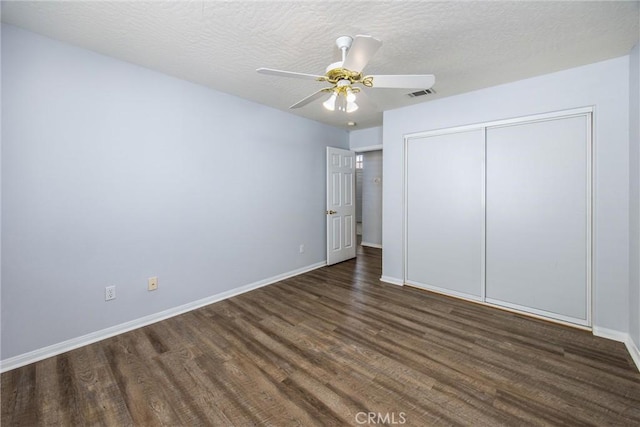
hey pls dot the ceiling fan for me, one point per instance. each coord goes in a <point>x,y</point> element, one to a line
<point>343,75</point>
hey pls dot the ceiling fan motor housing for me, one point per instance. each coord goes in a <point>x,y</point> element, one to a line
<point>344,42</point>
<point>335,73</point>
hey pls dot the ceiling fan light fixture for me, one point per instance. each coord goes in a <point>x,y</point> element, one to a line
<point>346,77</point>
<point>330,104</point>
<point>351,97</point>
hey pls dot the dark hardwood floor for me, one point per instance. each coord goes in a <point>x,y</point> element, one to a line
<point>334,346</point>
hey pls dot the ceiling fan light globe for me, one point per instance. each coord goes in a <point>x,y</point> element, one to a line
<point>351,106</point>
<point>351,97</point>
<point>330,104</point>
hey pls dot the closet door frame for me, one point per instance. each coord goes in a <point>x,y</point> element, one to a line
<point>587,112</point>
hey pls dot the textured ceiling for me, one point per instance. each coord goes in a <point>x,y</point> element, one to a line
<point>467,45</point>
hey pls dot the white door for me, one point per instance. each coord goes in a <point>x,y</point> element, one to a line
<point>341,208</point>
<point>445,213</point>
<point>538,238</point>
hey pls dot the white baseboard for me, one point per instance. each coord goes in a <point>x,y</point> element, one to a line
<point>392,280</point>
<point>371,245</point>
<point>622,337</point>
<point>59,348</point>
<point>633,351</point>
<point>610,334</point>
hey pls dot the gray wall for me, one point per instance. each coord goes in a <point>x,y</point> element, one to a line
<point>634,195</point>
<point>112,173</point>
<point>372,198</point>
<point>370,138</point>
<point>604,85</point>
<point>358,195</point>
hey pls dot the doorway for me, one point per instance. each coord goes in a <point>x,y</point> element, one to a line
<point>369,198</point>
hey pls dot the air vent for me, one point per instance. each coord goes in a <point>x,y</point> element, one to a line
<point>421,93</point>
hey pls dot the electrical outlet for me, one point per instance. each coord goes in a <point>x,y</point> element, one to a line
<point>301,249</point>
<point>109,293</point>
<point>152,283</point>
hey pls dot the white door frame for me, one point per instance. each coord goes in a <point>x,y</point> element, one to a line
<point>362,150</point>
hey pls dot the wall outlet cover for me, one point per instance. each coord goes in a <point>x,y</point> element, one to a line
<point>109,293</point>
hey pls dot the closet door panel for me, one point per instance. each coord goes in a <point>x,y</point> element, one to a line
<point>445,213</point>
<point>537,217</point>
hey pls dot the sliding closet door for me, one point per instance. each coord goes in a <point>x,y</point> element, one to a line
<point>538,217</point>
<point>445,212</point>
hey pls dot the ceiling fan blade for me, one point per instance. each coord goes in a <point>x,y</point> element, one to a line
<point>361,50</point>
<point>411,81</point>
<point>364,99</point>
<point>280,73</point>
<point>319,94</point>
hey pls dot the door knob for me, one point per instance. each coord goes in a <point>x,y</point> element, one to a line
<point>331,212</point>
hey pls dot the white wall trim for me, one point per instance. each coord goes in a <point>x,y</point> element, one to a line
<point>73,343</point>
<point>392,280</point>
<point>504,122</point>
<point>367,148</point>
<point>633,351</point>
<point>622,337</point>
<point>371,245</point>
<point>610,334</point>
